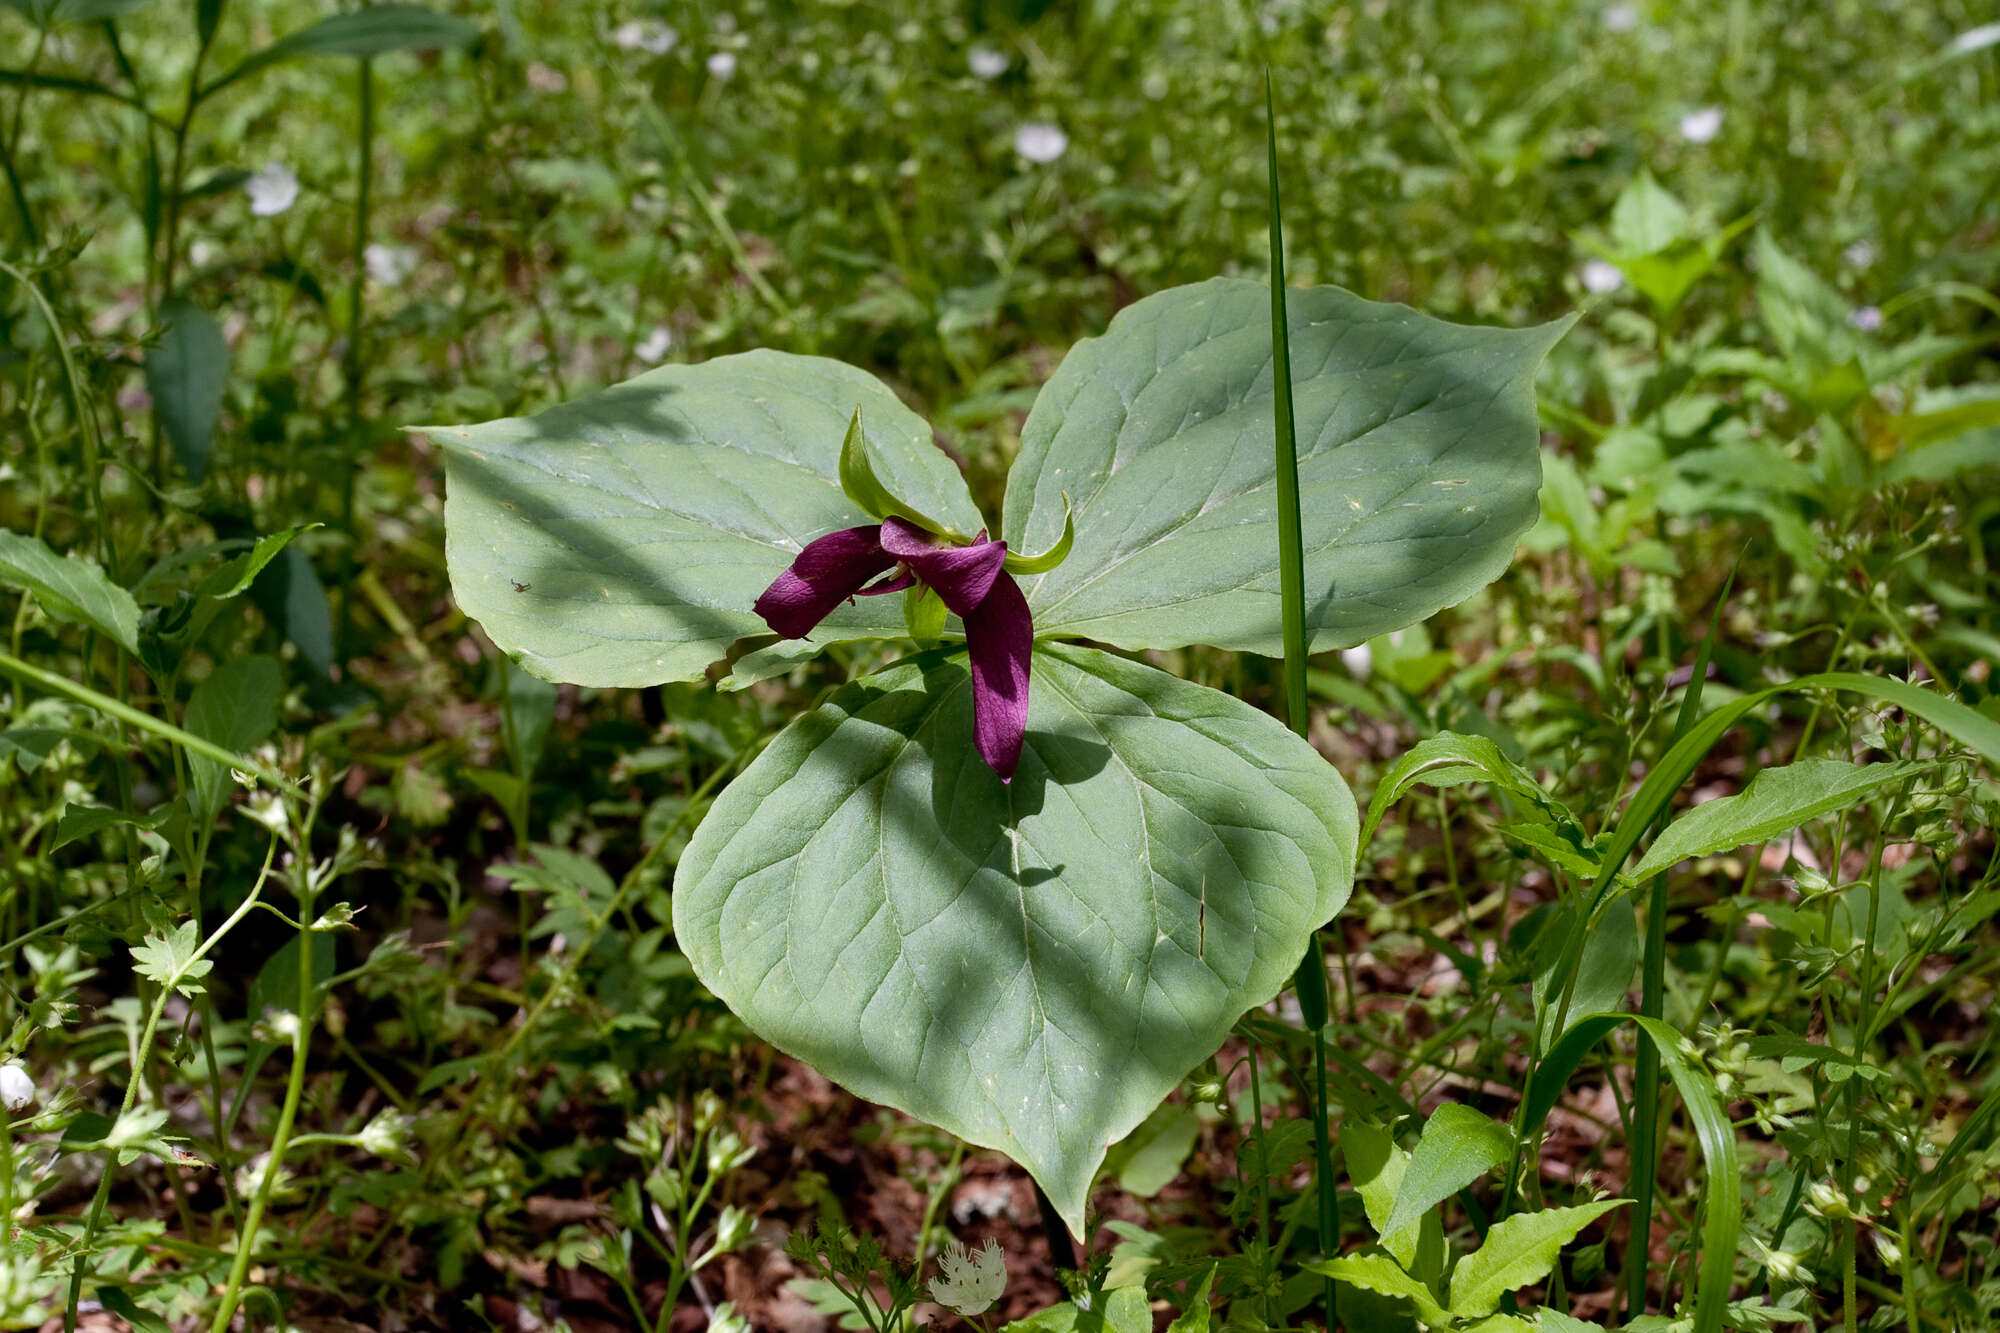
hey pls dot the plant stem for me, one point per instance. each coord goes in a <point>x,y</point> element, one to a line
<point>356,367</point>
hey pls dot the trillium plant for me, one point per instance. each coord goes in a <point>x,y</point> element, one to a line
<point>1023,915</point>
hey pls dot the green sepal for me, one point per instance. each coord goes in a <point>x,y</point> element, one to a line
<point>1049,559</point>
<point>858,480</point>
<point>923,614</point>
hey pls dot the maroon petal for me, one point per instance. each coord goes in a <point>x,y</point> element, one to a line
<point>960,575</point>
<point>828,572</point>
<point>1000,636</point>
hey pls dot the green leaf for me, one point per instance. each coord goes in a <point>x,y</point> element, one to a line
<point>289,593</point>
<point>1148,1159</point>
<point>169,960</point>
<point>83,821</point>
<point>621,539</point>
<point>527,708</point>
<point>1032,966</point>
<point>1449,759</point>
<point>1518,1250</point>
<point>1417,471</point>
<point>1608,959</point>
<point>862,482</point>
<point>1375,1167</point>
<point>241,571</point>
<point>185,371</point>
<point>1776,801</point>
<point>1049,559</point>
<point>1125,1311</point>
<point>277,983</point>
<point>118,1302</point>
<point>1196,1317</point>
<point>371,31</point>
<point>236,707</point>
<point>1458,1146</point>
<point>70,589</point>
<point>1379,1273</point>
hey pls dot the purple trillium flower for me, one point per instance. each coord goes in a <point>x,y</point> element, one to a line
<point>969,579</point>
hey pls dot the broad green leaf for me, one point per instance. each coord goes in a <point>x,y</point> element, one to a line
<point>1646,217</point>
<point>1518,1250</point>
<point>527,708</point>
<point>70,589</point>
<point>277,982</point>
<point>185,371</point>
<point>1032,966</point>
<point>1607,962</point>
<point>1458,1146</point>
<point>236,706</point>
<point>169,959</point>
<point>1379,1273</point>
<point>1375,1167</point>
<point>1418,466</point>
<point>1147,1160</point>
<point>290,595</point>
<point>621,539</point>
<point>370,31</point>
<point>1776,801</point>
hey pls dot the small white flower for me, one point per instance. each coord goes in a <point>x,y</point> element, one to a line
<point>1861,254</point>
<point>201,254</point>
<point>1976,39</point>
<point>1620,18</point>
<point>1600,276</point>
<point>1039,141</point>
<point>1702,125</point>
<point>387,1135</point>
<point>389,264</point>
<point>648,35</point>
<point>656,345</point>
<point>16,1088</point>
<point>1359,660</point>
<point>543,79</point>
<point>1868,318</point>
<point>272,190</point>
<point>987,63</point>
<point>722,65</point>
<point>969,1283</point>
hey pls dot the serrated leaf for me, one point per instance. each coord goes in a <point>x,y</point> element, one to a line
<point>1197,1316</point>
<point>169,960</point>
<point>1417,471</point>
<point>236,706</point>
<point>185,373</point>
<point>1458,1146</point>
<point>621,539</point>
<point>1379,1273</point>
<point>1776,801</point>
<point>70,589</point>
<point>1032,966</point>
<point>371,31</point>
<point>1518,1250</point>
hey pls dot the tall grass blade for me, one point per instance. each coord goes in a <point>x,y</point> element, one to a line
<point>1311,978</point>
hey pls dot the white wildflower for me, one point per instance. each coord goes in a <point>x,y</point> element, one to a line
<point>969,1283</point>
<point>272,190</point>
<point>1620,18</point>
<point>1359,660</point>
<point>1600,276</point>
<point>987,63</point>
<point>1861,254</point>
<point>389,264</point>
<point>1701,125</point>
<point>722,65</point>
<point>1039,141</point>
<point>201,254</point>
<point>543,79</point>
<point>656,345</point>
<point>16,1088</point>
<point>648,35</point>
<point>1868,318</point>
<point>1976,39</point>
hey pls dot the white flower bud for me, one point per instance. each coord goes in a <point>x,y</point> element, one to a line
<point>16,1088</point>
